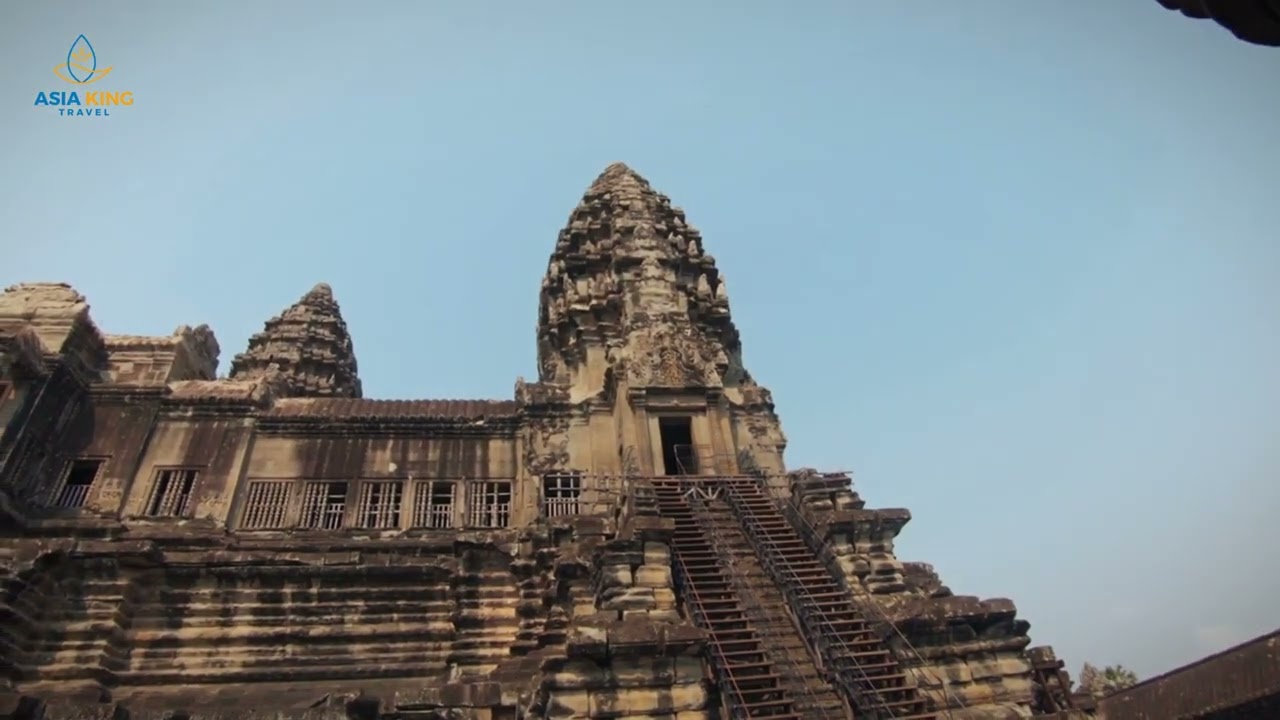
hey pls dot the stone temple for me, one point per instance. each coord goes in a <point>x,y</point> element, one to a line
<point>620,539</point>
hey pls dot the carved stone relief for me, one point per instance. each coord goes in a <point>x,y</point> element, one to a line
<point>666,357</point>
<point>546,445</point>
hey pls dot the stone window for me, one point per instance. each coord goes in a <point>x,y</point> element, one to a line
<point>560,494</point>
<point>490,505</point>
<point>380,504</point>
<point>171,494</point>
<point>77,481</point>
<point>433,504</point>
<point>265,505</point>
<point>324,505</point>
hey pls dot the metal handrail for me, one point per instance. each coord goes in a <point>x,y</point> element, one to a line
<point>693,604</point>
<point>810,535</point>
<point>744,592</point>
<point>684,583</point>
<point>790,584</point>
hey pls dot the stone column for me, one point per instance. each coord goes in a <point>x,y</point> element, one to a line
<point>725,447</point>
<point>643,441</point>
<point>604,455</point>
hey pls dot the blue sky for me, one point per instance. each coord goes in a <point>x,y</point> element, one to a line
<point>1014,264</point>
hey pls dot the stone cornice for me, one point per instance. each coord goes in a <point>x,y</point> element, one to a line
<point>206,546</point>
<point>329,427</point>
<point>674,398</point>
<point>128,394</point>
<point>212,411</point>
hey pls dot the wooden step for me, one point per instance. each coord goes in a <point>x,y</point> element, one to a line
<point>746,674</point>
<point>842,634</point>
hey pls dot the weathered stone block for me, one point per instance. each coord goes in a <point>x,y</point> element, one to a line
<point>954,672</point>
<point>846,501</point>
<point>985,669</point>
<point>688,670</point>
<point>578,674</point>
<point>634,598</point>
<point>688,697</point>
<point>643,672</point>
<point>612,576</point>
<point>646,701</point>
<point>1011,665</point>
<point>656,553</point>
<point>588,641</point>
<point>653,576</point>
<point>569,704</point>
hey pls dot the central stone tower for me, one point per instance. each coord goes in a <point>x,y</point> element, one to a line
<point>634,320</point>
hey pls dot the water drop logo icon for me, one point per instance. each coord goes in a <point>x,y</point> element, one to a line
<point>81,67</point>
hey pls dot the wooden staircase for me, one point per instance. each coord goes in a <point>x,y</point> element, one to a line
<point>842,644</point>
<point>780,635</point>
<point>865,668</point>
<point>748,683</point>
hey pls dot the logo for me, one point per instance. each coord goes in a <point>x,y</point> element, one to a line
<point>81,68</point>
<point>82,64</point>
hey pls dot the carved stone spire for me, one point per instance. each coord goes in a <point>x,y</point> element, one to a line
<point>308,346</point>
<point>629,271</point>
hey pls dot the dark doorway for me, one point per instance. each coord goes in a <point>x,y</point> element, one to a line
<point>677,446</point>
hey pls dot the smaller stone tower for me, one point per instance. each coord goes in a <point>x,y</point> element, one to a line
<point>308,346</point>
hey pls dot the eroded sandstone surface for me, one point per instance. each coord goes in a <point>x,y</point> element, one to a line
<point>621,539</point>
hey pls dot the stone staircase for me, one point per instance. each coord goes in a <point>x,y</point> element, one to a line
<point>487,621</point>
<point>745,674</point>
<point>866,670</point>
<point>815,698</point>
